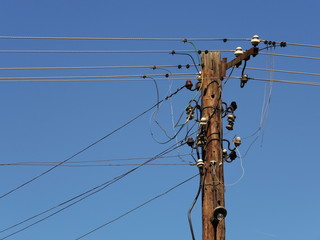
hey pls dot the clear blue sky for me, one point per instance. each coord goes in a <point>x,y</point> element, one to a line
<point>277,198</point>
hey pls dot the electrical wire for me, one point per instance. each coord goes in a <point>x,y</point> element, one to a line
<point>193,204</point>
<point>229,76</point>
<point>292,56</point>
<point>283,71</point>
<point>132,210</point>
<point>93,77</point>
<point>90,80</point>
<point>127,39</point>
<point>156,112</point>
<point>302,45</point>
<point>103,51</point>
<point>91,145</point>
<point>242,168</point>
<point>187,54</point>
<point>93,161</point>
<point>95,67</point>
<point>97,165</point>
<point>283,81</point>
<point>86,194</point>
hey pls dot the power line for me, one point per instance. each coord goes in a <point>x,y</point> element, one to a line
<point>107,160</point>
<point>154,67</point>
<point>89,193</point>
<point>303,45</point>
<point>90,80</point>
<point>283,81</point>
<point>103,51</point>
<point>292,56</point>
<point>93,77</point>
<point>94,165</point>
<point>132,210</point>
<point>149,39</point>
<point>126,39</point>
<point>283,71</point>
<point>91,145</point>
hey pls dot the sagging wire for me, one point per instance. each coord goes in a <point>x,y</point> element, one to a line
<point>266,112</point>
<point>242,168</point>
<point>264,109</point>
<point>155,113</point>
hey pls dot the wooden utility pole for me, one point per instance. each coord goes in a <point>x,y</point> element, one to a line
<point>213,182</point>
<point>213,203</point>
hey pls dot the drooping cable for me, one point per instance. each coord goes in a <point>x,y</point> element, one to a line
<point>242,169</point>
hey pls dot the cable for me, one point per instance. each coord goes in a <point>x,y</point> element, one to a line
<point>193,204</point>
<point>89,80</point>
<point>93,77</point>
<point>156,112</point>
<point>283,81</point>
<point>102,51</point>
<point>92,161</point>
<point>127,39</point>
<point>132,210</point>
<point>194,63</point>
<point>89,193</point>
<point>229,76</point>
<point>303,45</point>
<point>97,165</point>
<point>292,56</point>
<point>243,171</point>
<point>283,71</point>
<point>91,145</point>
<point>93,67</point>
